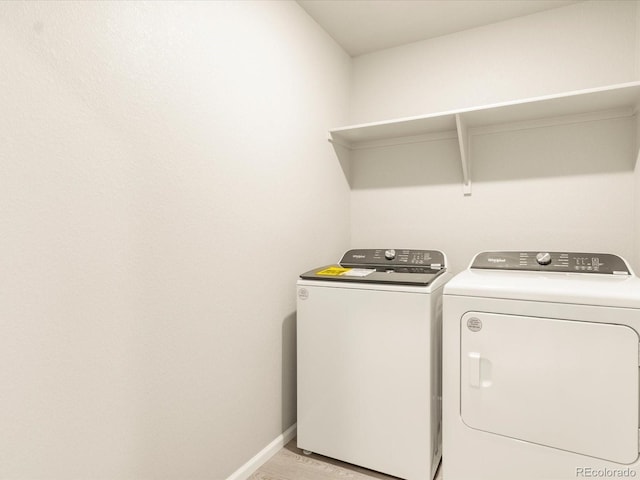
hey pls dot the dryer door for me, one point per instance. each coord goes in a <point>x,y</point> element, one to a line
<point>563,384</point>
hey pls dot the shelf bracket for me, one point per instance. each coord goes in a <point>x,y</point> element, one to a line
<point>465,154</point>
<point>343,152</point>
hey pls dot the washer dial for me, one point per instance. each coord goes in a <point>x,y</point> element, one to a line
<point>543,258</point>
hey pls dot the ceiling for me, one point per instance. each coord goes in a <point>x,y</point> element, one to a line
<point>364,26</point>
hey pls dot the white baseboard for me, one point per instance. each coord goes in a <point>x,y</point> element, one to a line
<point>263,455</point>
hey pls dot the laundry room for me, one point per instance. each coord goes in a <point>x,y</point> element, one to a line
<point>168,169</point>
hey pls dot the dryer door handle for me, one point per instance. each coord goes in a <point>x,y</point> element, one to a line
<point>474,369</point>
<point>479,370</point>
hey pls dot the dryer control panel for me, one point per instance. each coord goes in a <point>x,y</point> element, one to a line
<point>568,262</point>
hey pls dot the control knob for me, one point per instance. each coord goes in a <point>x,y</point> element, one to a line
<point>390,254</point>
<point>543,258</point>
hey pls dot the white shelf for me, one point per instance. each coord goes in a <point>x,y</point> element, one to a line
<point>607,102</point>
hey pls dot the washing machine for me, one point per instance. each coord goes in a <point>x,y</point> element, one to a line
<point>369,360</point>
<point>540,367</point>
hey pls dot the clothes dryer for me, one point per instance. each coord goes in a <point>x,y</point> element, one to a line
<point>541,356</point>
<point>369,360</point>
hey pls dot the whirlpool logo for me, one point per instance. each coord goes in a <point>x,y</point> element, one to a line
<point>496,260</point>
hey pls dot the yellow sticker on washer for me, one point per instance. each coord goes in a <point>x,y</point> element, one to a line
<point>333,271</point>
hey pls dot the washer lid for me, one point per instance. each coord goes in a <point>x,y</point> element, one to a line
<point>338,273</point>
<point>385,266</point>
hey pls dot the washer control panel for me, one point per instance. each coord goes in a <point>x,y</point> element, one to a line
<point>568,262</point>
<point>399,260</point>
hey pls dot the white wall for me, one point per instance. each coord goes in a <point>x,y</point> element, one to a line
<point>165,177</point>
<point>636,199</point>
<point>556,187</point>
<point>583,45</point>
